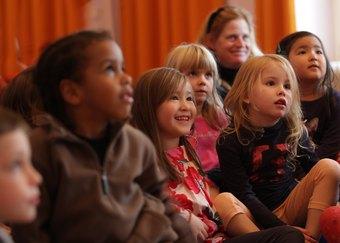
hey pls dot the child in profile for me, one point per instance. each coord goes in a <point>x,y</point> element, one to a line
<point>19,181</point>
<point>102,182</point>
<point>265,142</point>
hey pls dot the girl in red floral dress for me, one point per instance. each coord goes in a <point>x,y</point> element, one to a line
<point>165,110</point>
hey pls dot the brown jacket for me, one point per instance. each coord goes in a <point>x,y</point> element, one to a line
<point>83,201</point>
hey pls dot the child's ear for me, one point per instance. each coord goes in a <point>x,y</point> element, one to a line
<point>70,91</point>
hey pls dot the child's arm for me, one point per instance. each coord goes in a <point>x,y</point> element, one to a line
<point>237,181</point>
<point>156,219</point>
<point>329,144</point>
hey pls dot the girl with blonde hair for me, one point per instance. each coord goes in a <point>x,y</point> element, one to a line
<point>266,139</point>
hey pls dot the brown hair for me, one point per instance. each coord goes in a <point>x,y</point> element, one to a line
<point>216,21</point>
<point>153,88</point>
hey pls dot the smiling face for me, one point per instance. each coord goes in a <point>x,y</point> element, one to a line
<point>202,85</point>
<point>19,181</point>
<point>176,115</point>
<point>308,60</point>
<point>271,97</point>
<point>106,89</point>
<point>232,46</point>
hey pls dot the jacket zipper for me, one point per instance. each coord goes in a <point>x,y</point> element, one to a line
<point>105,183</point>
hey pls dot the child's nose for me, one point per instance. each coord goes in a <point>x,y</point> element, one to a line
<point>34,176</point>
<point>126,78</point>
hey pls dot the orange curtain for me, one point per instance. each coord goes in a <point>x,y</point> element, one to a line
<point>27,26</point>
<point>273,20</point>
<point>151,28</point>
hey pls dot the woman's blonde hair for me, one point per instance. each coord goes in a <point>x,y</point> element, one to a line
<point>193,57</point>
<point>215,22</point>
<point>237,108</point>
<point>153,88</point>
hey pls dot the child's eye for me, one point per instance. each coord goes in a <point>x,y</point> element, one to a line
<point>319,52</point>
<point>270,83</point>
<point>15,165</point>
<point>287,86</point>
<point>190,98</point>
<point>192,74</point>
<point>302,52</point>
<point>208,75</point>
<point>174,97</point>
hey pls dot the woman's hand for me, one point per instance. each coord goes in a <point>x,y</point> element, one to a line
<point>198,227</point>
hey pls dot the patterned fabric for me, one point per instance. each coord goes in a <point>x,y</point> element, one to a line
<point>191,195</point>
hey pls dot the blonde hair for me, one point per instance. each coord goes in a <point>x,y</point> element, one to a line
<point>153,88</point>
<point>193,57</point>
<point>216,21</point>
<point>237,108</point>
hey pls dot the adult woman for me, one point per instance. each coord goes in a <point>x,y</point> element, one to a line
<point>229,33</point>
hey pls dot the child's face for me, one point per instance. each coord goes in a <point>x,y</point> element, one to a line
<point>176,115</point>
<point>202,84</point>
<point>271,96</point>
<point>308,59</point>
<point>19,181</point>
<point>106,88</point>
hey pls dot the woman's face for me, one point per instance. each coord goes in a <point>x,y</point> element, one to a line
<point>232,46</point>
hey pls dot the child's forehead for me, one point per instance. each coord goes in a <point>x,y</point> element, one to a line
<point>104,50</point>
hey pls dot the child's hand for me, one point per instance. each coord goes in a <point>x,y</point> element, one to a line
<point>199,229</point>
<point>306,234</point>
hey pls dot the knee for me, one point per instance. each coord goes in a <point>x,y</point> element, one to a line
<point>330,168</point>
<point>224,199</point>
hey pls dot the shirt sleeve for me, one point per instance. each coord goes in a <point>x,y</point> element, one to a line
<point>329,144</point>
<point>236,180</point>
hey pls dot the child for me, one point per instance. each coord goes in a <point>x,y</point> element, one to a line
<point>164,109</point>
<point>101,179</point>
<point>320,103</point>
<point>21,95</point>
<point>19,181</point>
<point>199,66</point>
<point>258,150</point>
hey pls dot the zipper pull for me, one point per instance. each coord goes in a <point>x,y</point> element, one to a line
<point>105,184</point>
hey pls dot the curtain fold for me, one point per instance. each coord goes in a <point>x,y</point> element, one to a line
<point>151,28</point>
<point>273,20</point>
<point>27,26</point>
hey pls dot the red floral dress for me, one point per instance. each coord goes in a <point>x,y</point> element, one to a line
<point>191,195</point>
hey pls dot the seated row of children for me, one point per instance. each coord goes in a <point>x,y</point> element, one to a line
<point>105,181</point>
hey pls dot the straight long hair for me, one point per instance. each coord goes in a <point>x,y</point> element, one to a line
<point>153,88</point>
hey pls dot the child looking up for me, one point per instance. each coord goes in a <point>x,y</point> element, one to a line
<point>19,181</point>
<point>320,102</point>
<point>258,151</point>
<point>199,66</point>
<point>101,178</point>
<point>164,109</point>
